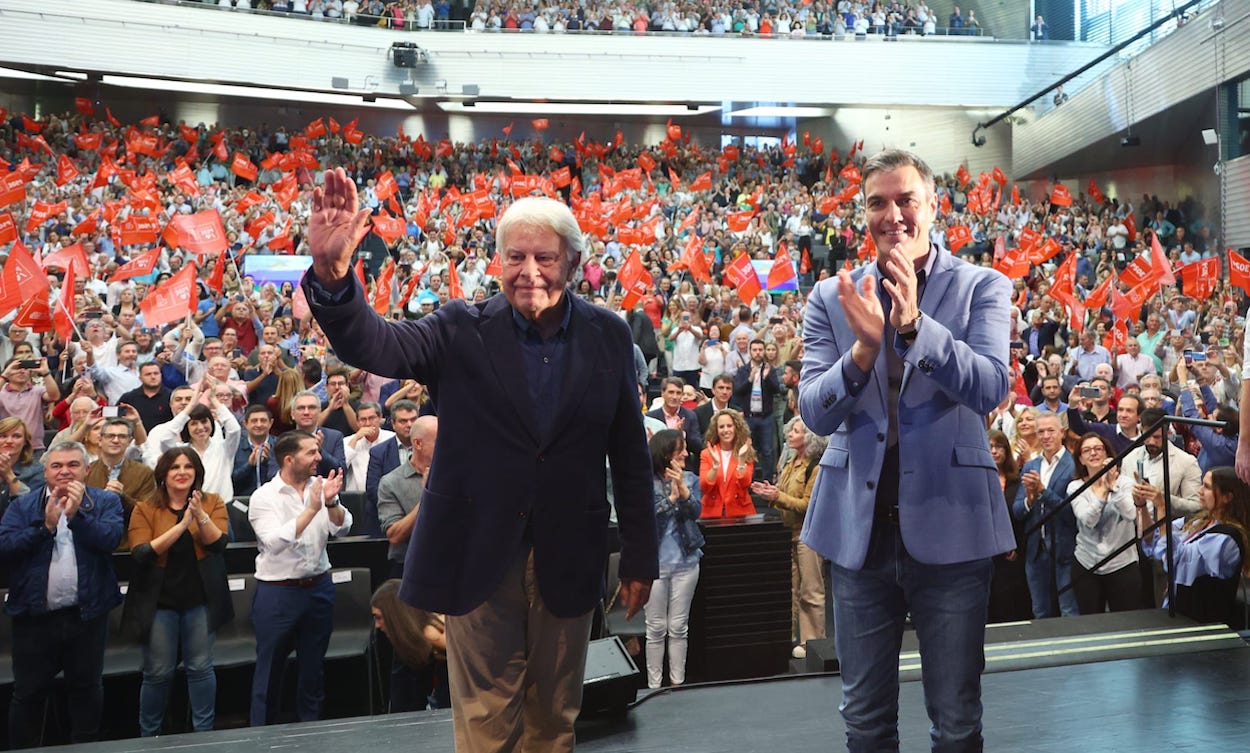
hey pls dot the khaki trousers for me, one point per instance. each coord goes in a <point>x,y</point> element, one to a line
<point>515,670</point>
<point>807,605</point>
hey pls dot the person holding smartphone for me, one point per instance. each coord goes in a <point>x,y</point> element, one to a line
<point>22,396</point>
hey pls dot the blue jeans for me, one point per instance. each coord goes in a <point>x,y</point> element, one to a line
<point>948,606</point>
<point>170,630</point>
<point>287,617</point>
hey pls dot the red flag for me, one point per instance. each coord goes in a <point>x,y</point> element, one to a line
<point>738,222</point>
<point>12,189</point>
<point>22,279</point>
<point>782,270</point>
<point>673,131</point>
<point>139,266</point>
<point>243,167</point>
<point>1200,277</point>
<point>171,301</point>
<point>957,237</point>
<point>35,314</point>
<point>1060,195</point>
<point>494,267</point>
<point>963,176</point>
<point>1096,194</point>
<point>388,228</point>
<point>248,201</point>
<point>1044,252</point>
<point>70,258</point>
<point>33,126</point>
<point>540,124</point>
<point>8,228</point>
<point>136,230</point>
<point>1131,225</point>
<point>151,121</point>
<point>63,316</point>
<point>1128,306</point>
<point>360,271</point>
<point>1116,339</point>
<point>65,170</point>
<point>112,120</point>
<point>1098,296</point>
<point>382,288</point>
<point>693,259</point>
<point>84,106</point>
<point>386,187</point>
<point>200,233</point>
<point>88,142</point>
<point>1238,270</point>
<point>1137,271</point>
<point>315,129</point>
<point>999,176</point>
<point>805,261</point>
<point>1063,286</point>
<point>217,278</point>
<point>220,151</point>
<point>741,275</point>
<point>454,289</point>
<point>1015,195</point>
<point>701,183</point>
<point>867,250</point>
<point>189,134</point>
<point>635,280</point>
<point>850,173</point>
<point>1014,263</point>
<point>1160,266</point>
<point>646,161</point>
<point>507,130</point>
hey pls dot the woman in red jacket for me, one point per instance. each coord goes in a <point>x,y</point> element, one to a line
<point>725,467</point>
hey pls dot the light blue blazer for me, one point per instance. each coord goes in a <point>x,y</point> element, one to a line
<point>951,507</point>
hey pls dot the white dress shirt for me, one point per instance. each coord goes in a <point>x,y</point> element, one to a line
<point>281,554</point>
<point>357,460</point>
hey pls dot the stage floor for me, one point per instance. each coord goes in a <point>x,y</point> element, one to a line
<point>1197,702</point>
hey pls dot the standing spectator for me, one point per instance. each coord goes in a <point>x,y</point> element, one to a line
<point>1049,551</point>
<point>151,398</point>
<point>305,412</point>
<point>166,435</point>
<point>726,467</point>
<point>20,397</point>
<point>357,446</point>
<point>19,470</point>
<point>119,378</point>
<point>1083,361</point>
<point>339,412</point>
<point>114,472</point>
<point>722,393</point>
<point>676,416</point>
<point>57,545</point>
<point>1039,31</point>
<point>677,511</point>
<point>293,515</point>
<point>385,457</point>
<point>1105,521</point>
<point>178,595</point>
<point>685,339</point>
<point>1130,367</point>
<point>791,496</point>
<point>253,458</point>
<point>1009,588</point>
<point>399,491</point>
<point>756,385</point>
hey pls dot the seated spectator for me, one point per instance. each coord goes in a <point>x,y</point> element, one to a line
<point>419,666</point>
<point>1210,548</point>
<point>178,596</point>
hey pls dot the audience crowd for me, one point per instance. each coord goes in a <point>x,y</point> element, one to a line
<point>1105,343</point>
<point>767,18</point>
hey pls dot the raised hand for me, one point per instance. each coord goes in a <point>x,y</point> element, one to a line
<point>863,310</point>
<point>333,484</point>
<point>335,228</point>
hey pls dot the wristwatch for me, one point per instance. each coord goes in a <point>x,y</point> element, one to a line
<point>909,330</point>
<point>336,503</point>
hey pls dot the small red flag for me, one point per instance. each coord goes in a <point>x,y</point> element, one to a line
<point>540,124</point>
<point>8,228</point>
<point>1238,270</point>
<point>1160,266</point>
<point>1095,193</point>
<point>738,222</point>
<point>742,276</point>
<point>35,315</point>
<point>1098,296</point>
<point>494,268</point>
<point>65,170</point>
<point>243,167</point>
<point>12,189</point>
<point>84,106</point>
<point>22,279</point>
<point>1200,277</point>
<point>200,233</point>
<point>963,176</point>
<point>957,237</point>
<point>217,278</point>
<point>1060,196</point>
<point>171,301</point>
<point>782,270</point>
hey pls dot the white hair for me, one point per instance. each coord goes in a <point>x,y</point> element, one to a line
<point>540,211</point>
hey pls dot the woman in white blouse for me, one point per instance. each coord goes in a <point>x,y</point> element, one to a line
<point>1105,521</point>
<point>195,424</point>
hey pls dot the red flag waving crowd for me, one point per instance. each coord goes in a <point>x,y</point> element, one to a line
<point>175,299</point>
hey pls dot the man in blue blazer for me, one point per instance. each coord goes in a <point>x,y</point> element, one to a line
<point>1049,551</point>
<point>535,391</point>
<point>907,505</point>
<point>305,408</point>
<point>384,458</point>
<point>676,416</point>
<point>57,544</point>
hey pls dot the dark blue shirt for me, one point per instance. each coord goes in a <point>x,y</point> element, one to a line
<point>544,362</point>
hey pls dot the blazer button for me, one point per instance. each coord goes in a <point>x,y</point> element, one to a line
<point>541,458</point>
<point>871,485</point>
<point>880,437</point>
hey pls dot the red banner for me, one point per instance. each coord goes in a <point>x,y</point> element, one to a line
<point>741,275</point>
<point>172,301</point>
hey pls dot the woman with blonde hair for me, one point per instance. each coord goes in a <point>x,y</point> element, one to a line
<point>725,467</point>
<point>18,467</point>
<point>290,384</point>
<point>796,476</point>
<point>419,666</point>
<point>1024,439</point>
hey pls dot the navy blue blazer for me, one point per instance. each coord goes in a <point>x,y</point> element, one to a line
<point>694,435</point>
<point>495,486</point>
<point>332,454</point>
<point>1061,530</point>
<point>383,459</point>
<point>245,476</point>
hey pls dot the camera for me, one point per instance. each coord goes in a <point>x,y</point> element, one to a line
<point>1091,392</point>
<point>29,364</point>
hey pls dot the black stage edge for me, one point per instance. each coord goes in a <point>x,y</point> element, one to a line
<point>1198,701</point>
